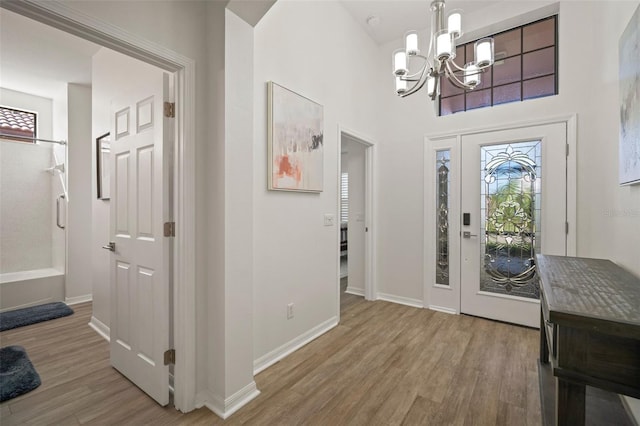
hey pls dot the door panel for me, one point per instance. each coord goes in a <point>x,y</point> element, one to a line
<point>510,218</point>
<point>140,275</point>
<point>514,188</point>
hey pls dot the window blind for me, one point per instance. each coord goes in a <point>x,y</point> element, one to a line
<point>344,198</point>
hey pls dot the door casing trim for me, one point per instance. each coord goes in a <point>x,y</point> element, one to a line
<point>370,292</point>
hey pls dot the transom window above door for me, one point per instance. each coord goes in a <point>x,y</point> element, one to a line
<point>525,67</point>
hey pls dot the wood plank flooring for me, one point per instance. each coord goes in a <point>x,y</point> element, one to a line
<point>385,364</point>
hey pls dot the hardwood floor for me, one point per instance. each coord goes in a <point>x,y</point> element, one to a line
<point>385,364</point>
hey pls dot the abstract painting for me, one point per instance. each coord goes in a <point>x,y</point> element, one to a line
<point>295,134</point>
<point>630,102</point>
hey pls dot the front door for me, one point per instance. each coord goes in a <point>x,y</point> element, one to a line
<point>513,202</point>
<point>140,315</point>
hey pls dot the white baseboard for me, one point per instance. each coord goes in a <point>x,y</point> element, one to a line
<point>230,405</point>
<point>355,291</point>
<point>443,309</point>
<point>415,303</point>
<point>100,328</point>
<point>28,305</point>
<point>277,354</point>
<point>78,299</point>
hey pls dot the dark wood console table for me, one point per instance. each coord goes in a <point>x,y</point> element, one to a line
<point>589,336</point>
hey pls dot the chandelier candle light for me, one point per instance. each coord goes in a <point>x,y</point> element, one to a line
<point>439,60</point>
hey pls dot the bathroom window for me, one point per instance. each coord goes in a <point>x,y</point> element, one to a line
<point>18,125</point>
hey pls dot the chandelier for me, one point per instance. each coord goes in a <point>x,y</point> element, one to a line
<point>440,58</point>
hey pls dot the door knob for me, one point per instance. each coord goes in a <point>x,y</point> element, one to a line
<point>111,246</point>
<point>467,234</point>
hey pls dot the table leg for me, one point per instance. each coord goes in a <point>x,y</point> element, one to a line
<point>570,403</point>
<point>544,346</point>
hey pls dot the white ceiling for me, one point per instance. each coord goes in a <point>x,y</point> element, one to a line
<point>400,16</point>
<point>41,60</point>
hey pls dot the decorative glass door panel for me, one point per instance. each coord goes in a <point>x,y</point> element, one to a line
<point>442,213</point>
<point>510,218</point>
<point>511,213</point>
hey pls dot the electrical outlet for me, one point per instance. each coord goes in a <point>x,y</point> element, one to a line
<point>290,311</point>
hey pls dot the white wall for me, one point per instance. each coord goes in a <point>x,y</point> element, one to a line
<point>26,201</point>
<point>316,49</point>
<point>78,279</point>
<point>101,87</point>
<point>238,203</point>
<point>355,166</point>
<point>59,182</point>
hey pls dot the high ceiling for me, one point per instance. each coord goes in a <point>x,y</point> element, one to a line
<point>398,16</point>
<point>41,60</point>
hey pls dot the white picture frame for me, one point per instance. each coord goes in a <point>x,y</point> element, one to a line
<point>295,141</point>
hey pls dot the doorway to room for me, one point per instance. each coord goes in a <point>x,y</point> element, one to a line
<point>183,201</point>
<point>355,207</point>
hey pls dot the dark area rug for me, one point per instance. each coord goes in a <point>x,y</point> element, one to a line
<point>17,375</point>
<point>33,315</point>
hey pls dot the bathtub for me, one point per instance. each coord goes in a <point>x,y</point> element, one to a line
<point>30,288</point>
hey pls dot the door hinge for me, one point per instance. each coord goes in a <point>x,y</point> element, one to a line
<point>170,109</point>
<point>566,228</point>
<point>567,150</point>
<point>169,229</point>
<point>170,357</point>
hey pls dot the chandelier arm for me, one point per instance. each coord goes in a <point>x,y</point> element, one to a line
<point>454,79</point>
<point>419,84</point>
<point>458,67</point>
<point>426,65</point>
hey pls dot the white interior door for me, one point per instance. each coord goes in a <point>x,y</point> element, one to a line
<point>140,315</point>
<point>514,195</point>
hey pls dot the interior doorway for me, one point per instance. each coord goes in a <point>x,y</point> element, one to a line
<point>356,217</point>
<point>105,34</point>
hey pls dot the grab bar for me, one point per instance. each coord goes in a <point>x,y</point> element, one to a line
<point>61,196</point>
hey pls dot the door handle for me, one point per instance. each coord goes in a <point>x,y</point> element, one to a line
<point>111,246</point>
<point>467,234</point>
